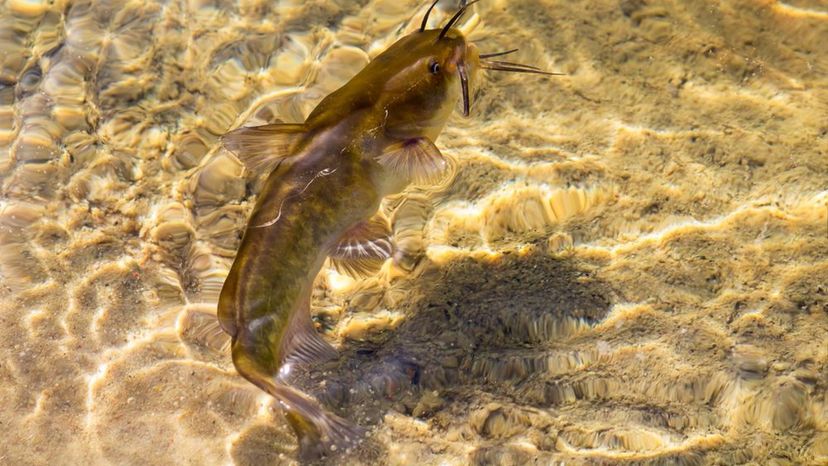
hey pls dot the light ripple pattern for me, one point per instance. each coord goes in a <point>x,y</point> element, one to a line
<point>628,267</point>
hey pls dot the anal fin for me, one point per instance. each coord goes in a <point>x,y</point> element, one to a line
<point>260,148</point>
<point>302,343</point>
<point>363,248</point>
<point>416,160</point>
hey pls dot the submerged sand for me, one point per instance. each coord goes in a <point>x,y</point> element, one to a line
<point>629,265</point>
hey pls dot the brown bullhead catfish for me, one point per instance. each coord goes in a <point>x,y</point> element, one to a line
<point>327,176</point>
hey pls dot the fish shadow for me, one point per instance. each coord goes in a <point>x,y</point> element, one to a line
<point>473,328</point>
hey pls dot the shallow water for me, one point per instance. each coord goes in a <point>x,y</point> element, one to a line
<point>629,265</point>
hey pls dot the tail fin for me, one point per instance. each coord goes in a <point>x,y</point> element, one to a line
<point>319,432</point>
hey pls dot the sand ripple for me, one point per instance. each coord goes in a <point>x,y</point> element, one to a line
<point>627,267</point>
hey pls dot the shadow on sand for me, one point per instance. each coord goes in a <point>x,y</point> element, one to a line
<point>472,328</point>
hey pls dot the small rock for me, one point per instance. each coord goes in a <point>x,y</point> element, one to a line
<point>429,402</point>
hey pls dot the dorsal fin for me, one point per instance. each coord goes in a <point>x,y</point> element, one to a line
<point>363,248</point>
<point>415,160</point>
<point>260,148</point>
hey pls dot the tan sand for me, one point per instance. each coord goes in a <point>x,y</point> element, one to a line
<point>628,267</point>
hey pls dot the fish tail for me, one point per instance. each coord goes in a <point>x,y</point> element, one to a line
<point>319,432</point>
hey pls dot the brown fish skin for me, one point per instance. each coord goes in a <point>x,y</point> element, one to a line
<point>363,142</point>
<point>268,289</point>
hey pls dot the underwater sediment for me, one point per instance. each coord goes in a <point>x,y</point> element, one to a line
<point>629,265</point>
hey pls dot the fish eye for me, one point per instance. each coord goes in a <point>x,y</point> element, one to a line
<point>434,67</point>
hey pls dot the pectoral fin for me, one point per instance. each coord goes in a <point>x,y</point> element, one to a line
<point>363,248</point>
<point>260,148</point>
<point>416,160</point>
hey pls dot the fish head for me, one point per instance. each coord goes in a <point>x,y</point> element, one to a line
<point>413,86</point>
<point>424,76</point>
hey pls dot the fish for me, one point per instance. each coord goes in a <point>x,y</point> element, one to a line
<point>325,179</point>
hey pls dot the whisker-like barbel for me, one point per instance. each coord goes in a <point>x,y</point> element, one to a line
<point>428,12</point>
<point>464,83</point>
<point>454,19</point>
<point>510,64</point>
<point>520,70</point>
<point>497,54</point>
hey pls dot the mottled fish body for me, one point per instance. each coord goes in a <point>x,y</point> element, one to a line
<point>326,178</point>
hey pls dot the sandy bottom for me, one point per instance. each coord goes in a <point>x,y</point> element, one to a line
<point>628,267</point>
